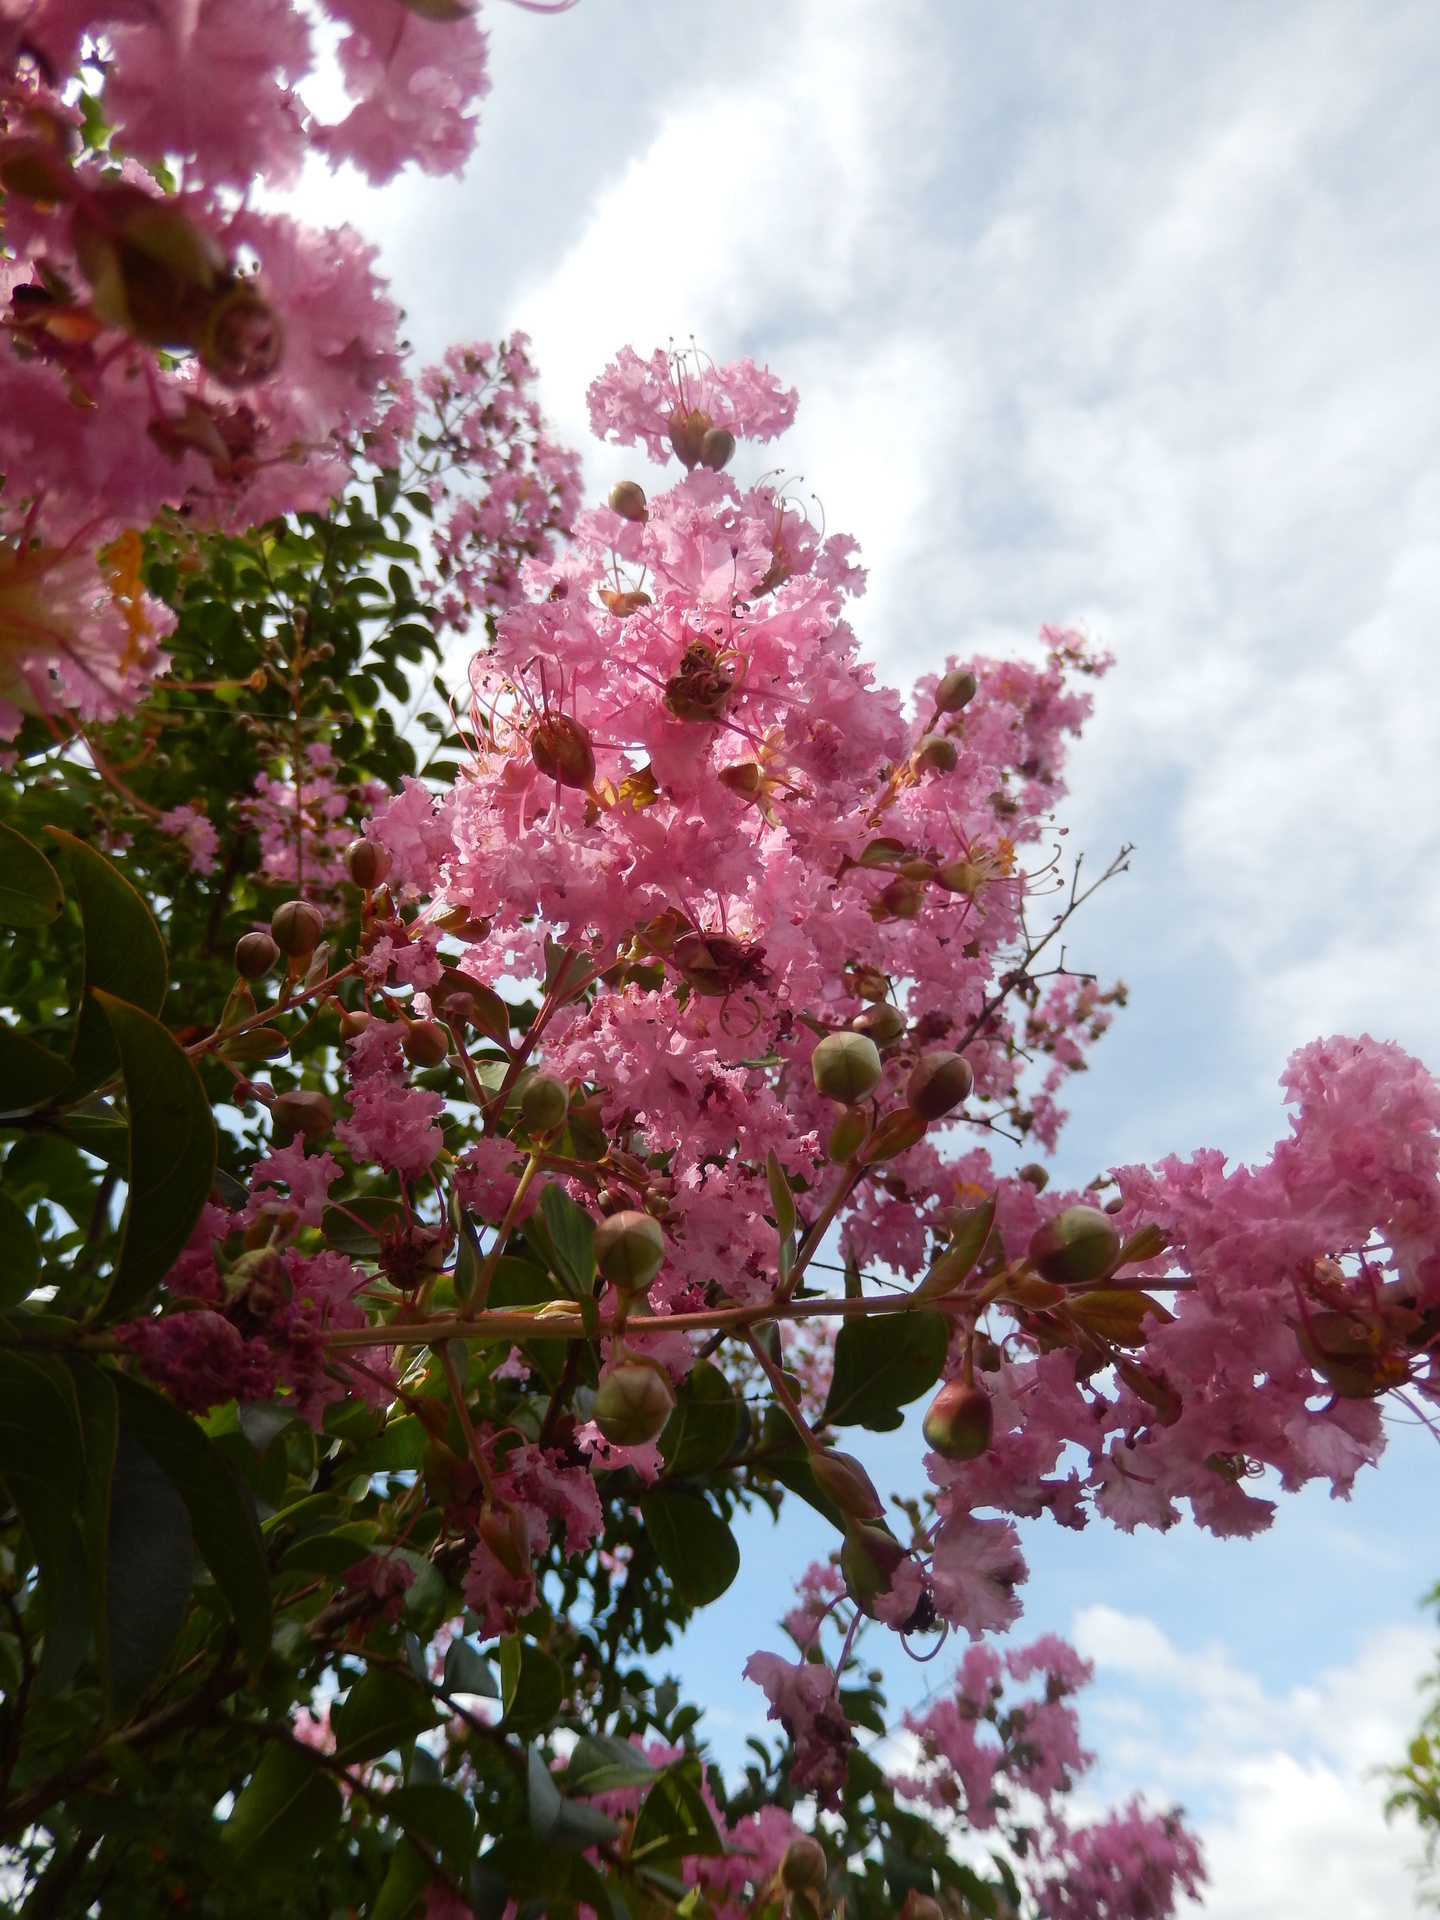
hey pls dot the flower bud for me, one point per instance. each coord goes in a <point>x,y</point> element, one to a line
<point>243,340</point>
<point>956,690</point>
<point>746,779</point>
<point>900,900</point>
<point>959,1421</point>
<point>846,1485</point>
<point>255,955</point>
<point>367,862</point>
<point>1077,1245</point>
<point>304,1112</point>
<point>297,927</point>
<point>871,984</point>
<point>544,1102</point>
<point>961,876</point>
<point>921,1906</point>
<point>883,1022</point>
<point>846,1067</point>
<point>687,433</point>
<point>869,1560</point>
<point>632,1404</point>
<point>918,868</point>
<point>627,498</point>
<point>560,748</point>
<point>938,1084</point>
<point>935,754</point>
<point>847,1136</point>
<point>656,1200</point>
<point>716,448</point>
<point>629,1250</point>
<point>803,1866</point>
<point>1034,1175</point>
<point>426,1043</point>
<point>353,1024</point>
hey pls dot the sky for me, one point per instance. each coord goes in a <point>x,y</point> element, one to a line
<point>1120,317</point>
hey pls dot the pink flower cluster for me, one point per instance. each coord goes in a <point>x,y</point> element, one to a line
<point>302,829</point>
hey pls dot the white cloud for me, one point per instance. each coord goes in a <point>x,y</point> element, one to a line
<point>1282,1787</point>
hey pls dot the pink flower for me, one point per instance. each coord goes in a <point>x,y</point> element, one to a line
<point>805,1699</point>
<point>202,842</point>
<point>413,80</point>
<point>976,1569</point>
<point>637,399</point>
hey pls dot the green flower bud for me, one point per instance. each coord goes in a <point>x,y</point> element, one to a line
<point>883,1022</point>
<point>303,1112</point>
<point>961,876</point>
<point>716,448</point>
<point>627,498</point>
<point>803,1866</point>
<point>297,927</point>
<point>1077,1245</point>
<point>846,1067</point>
<point>367,862</point>
<point>900,900</point>
<point>956,690</point>
<point>938,1084</point>
<point>846,1485</point>
<point>629,1250</point>
<point>632,1404</point>
<point>1034,1175</point>
<point>426,1043</point>
<point>959,1421</point>
<point>935,754</point>
<point>255,955</point>
<point>544,1102</point>
<point>869,1560</point>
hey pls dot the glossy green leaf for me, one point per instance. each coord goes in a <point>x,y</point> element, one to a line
<point>674,1821</point>
<point>355,1228</point>
<point>288,1810</point>
<point>29,1073</point>
<point>558,1822</point>
<point>956,1263</point>
<point>600,1763</point>
<point>19,1253</point>
<point>572,1239</point>
<point>781,1198</point>
<point>882,1362</point>
<point>69,1632</point>
<point>100,1427</point>
<point>221,1513</point>
<point>382,1710</point>
<point>467,1671</point>
<point>172,1152</point>
<point>148,1560</point>
<point>400,1448</point>
<point>404,1885</point>
<point>42,1460</point>
<point>30,890</point>
<point>440,1816</point>
<point>692,1543</point>
<point>701,1430</point>
<point>124,955</point>
<point>531,1686</point>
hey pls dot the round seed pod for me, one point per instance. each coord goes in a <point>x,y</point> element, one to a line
<point>632,1404</point>
<point>687,434</point>
<point>297,927</point>
<point>629,1250</point>
<point>883,1022</point>
<point>305,1112</point>
<point>956,690</point>
<point>353,1023</point>
<point>426,1043</point>
<point>367,862</point>
<point>803,1866</point>
<point>716,448</point>
<point>255,955</point>
<point>871,984</point>
<point>1034,1175</point>
<point>869,1560</point>
<point>936,754</point>
<point>938,1084</point>
<point>544,1102</point>
<point>627,498</point>
<point>846,1067</point>
<point>561,749</point>
<point>1077,1245</point>
<point>959,1421</point>
<point>899,900</point>
<point>846,1485</point>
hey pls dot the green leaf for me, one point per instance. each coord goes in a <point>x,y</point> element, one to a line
<point>692,1543</point>
<point>42,1460</point>
<point>781,1197</point>
<point>531,1687</point>
<point>701,1430</point>
<point>100,1427</point>
<point>558,1822</point>
<point>882,1362</point>
<point>572,1240</point>
<point>30,890</point>
<point>148,1561</point>
<point>286,1814</point>
<point>467,1671</point>
<point>601,1762</point>
<point>19,1253</point>
<point>29,1073</point>
<point>221,1513</point>
<point>410,1874</point>
<point>69,1633</point>
<point>400,1448</point>
<point>441,1816</point>
<point>355,1228</point>
<point>957,1261</point>
<point>382,1710</point>
<point>172,1152</point>
<point>124,955</point>
<point>674,1821</point>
